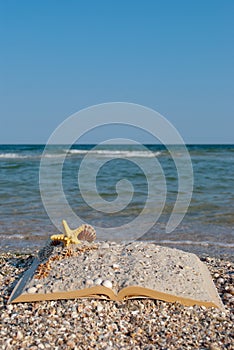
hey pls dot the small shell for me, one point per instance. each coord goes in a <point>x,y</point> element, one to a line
<point>107,284</point>
<point>87,234</point>
<point>32,290</point>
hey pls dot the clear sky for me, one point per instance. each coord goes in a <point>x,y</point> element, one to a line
<point>58,57</point>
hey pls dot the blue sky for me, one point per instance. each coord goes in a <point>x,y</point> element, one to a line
<point>58,57</point>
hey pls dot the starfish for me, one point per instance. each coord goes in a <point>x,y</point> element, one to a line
<point>84,232</point>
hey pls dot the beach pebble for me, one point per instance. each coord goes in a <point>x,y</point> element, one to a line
<point>227,295</point>
<point>99,308</point>
<point>19,335</point>
<point>98,281</point>
<point>89,283</point>
<point>214,347</point>
<point>230,289</point>
<point>10,307</point>
<point>115,266</point>
<point>107,284</point>
<point>132,324</point>
<point>220,280</point>
<point>104,245</point>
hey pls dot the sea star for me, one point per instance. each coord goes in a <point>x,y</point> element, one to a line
<point>84,232</point>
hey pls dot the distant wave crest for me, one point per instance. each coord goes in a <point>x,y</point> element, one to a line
<point>12,155</point>
<point>199,243</point>
<point>116,153</point>
<point>77,152</point>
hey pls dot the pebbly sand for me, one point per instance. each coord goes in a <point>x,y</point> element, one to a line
<point>101,324</point>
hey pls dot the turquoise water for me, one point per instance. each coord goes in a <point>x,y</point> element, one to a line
<point>208,225</point>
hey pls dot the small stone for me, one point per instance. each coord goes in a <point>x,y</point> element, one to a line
<point>89,283</point>
<point>227,295</point>
<point>115,266</point>
<point>107,284</point>
<point>19,335</point>
<point>214,346</point>
<point>99,308</point>
<point>135,312</point>
<point>32,290</point>
<point>71,344</point>
<point>220,280</point>
<point>104,245</point>
<point>10,307</point>
<point>97,281</point>
<point>231,290</point>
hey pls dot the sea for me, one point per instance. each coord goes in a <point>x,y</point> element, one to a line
<point>207,227</point>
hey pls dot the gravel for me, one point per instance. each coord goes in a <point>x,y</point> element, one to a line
<point>101,324</point>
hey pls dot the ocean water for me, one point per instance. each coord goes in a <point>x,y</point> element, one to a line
<point>207,228</point>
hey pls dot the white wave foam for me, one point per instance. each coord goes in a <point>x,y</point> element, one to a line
<point>11,155</point>
<point>98,153</point>
<point>116,153</point>
<point>12,237</point>
<point>201,243</point>
<point>20,156</point>
<point>77,151</point>
<point>53,155</point>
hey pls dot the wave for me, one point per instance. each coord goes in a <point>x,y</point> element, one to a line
<point>28,156</point>
<point>73,152</point>
<point>12,155</point>
<point>116,153</point>
<point>169,242</point>
<point>199,243</point>
<point>12,236</point>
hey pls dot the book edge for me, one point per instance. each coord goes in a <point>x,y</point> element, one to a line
<point>101,292</point>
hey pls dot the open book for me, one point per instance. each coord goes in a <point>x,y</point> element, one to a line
<point>107,270</point>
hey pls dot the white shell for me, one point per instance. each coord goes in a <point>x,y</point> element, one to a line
<point>107,284</point>
<point>32,290</point>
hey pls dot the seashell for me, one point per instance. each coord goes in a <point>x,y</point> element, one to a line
<point>107,284</point>
<point>84,232</point>
<point>87,234</point>
<point>32,290</point>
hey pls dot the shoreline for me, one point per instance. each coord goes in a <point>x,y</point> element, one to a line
<point>202,251</point>
<point>102,324</point>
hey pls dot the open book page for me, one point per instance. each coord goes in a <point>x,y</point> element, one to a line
<point>118,271</point>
